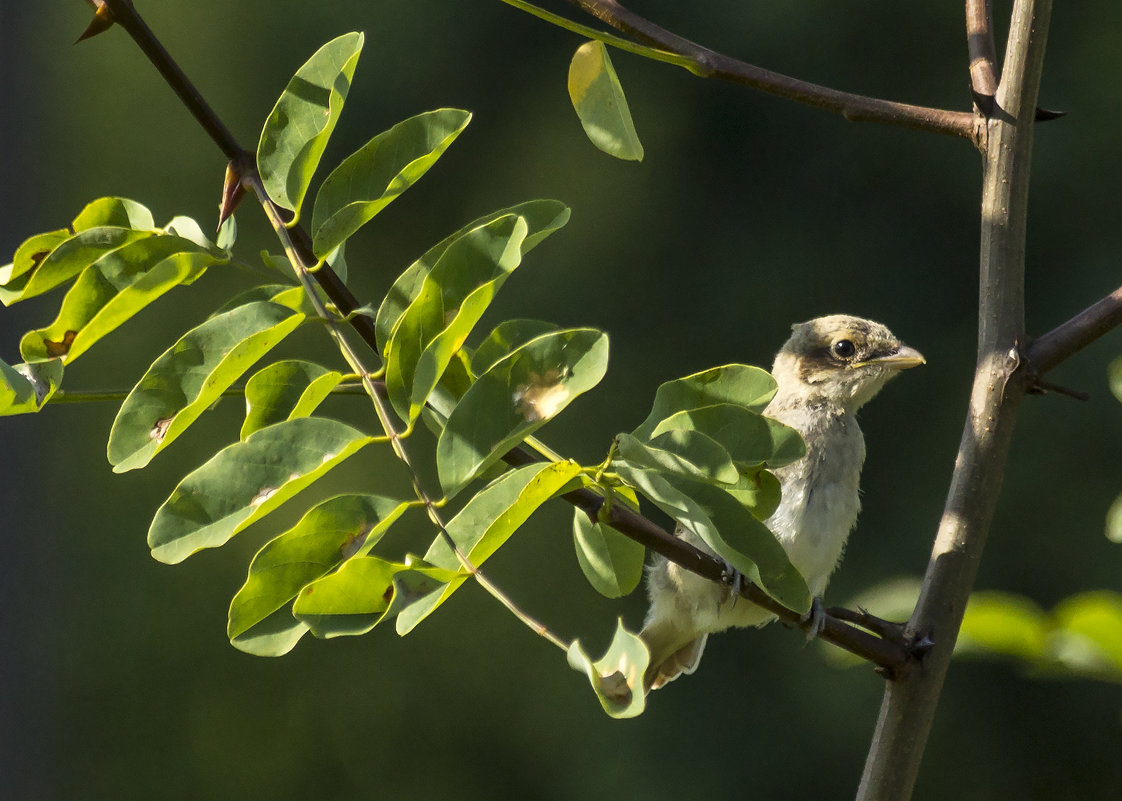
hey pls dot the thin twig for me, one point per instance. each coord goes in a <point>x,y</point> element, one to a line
<point>709,63</point>
<point>979,43</point>
<point>1047,351</point>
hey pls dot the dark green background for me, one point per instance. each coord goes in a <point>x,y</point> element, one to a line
<point>748,213</point>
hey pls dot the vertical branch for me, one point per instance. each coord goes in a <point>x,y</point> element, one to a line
<point>909,704</point>
<point>979,43</point>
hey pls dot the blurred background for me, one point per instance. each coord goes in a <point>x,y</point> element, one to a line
<point>748,214</point>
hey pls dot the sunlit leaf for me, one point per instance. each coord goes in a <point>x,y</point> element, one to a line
<point>453,297</point>
<point>515,397</point>
<point>245,481</point>
<point>285,390</point>
<point>682,451</point>
<point>336,530</point>
<point>365,591</point>
<point>1002,623</point>
<point>617,678</point>
<point>68,259</point>
<point>117,212</point>
<point>282,294</point>
<point>29,254</point>
<point>27,387</point>
<point>750,439</point>
<point>301,122</point>
<point>1114,520</point>
<point>600,104</point>
<point>508,336</point>
<point>192,374</point>
<point>1094,621</point>
<point>543,217</point>
<point>738,384</point>
<point>612,563</point>
<point>730,530</point>
<point>372,177</point>
<point>484,525</point>
<point>112,290</point>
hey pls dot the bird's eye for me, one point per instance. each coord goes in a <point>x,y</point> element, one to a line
<point>843,349</point>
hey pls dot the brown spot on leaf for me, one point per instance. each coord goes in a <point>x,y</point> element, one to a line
<point>387,596</point>
<point>352,543</point>
<point>62,346</point>
<point>160,430</point>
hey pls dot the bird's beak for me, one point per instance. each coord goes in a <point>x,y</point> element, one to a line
<point>902,359</point>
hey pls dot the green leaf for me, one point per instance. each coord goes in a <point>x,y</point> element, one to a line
<point>68,258</point>
<point>507,337</point>
<point>1089,636</point>
<point>112,290</point>
<point>750,439</point>
<point>729,529</point>
<point>600,103</point>
<point>365,591</point>
<point>453,297</point>
<point>1001,623</point>
<point>612,563</point>
<point>190,376</point>
<point>1114,521</point>
<point>284,391</point>
<point>1113,370</point>
<point>484,525</point>
<point>515,397</point>
<point>283,294</point>
<point>31,253</point>
<point>758,491</point>
<point>683,452</point>
<point>301,122</point>
<point>329,534</point>
<point>245,481</point>
<point>372,177</point>
<point>739,384</point>
<point>543,217</point>
<point>27,387</point>
<point>188,228</point>
<point>116,212</point>
<point>617,678</point>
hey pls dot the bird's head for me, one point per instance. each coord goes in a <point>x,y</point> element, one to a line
<point>841,360</point>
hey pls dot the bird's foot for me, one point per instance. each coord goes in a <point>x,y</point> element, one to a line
<point>815,619</point>
<point>733,579</point>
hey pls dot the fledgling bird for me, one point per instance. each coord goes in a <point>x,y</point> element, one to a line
<point>828,369</point>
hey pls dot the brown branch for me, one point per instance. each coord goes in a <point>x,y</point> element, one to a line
<point>856,108</point>
<point>1048,351</point>
<point>889,656</point>
<point>979,43</point>
<point>909,704</point>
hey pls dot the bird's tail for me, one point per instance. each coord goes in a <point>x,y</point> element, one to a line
<point>673,654</point>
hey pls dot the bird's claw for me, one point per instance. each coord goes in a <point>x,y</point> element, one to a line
<point>815,619</point>
<point>733,579</point>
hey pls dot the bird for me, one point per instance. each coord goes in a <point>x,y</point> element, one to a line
<point>828,369</point>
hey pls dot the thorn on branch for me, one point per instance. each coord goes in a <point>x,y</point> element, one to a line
<point>1047,115</point>
<point>232,190</point>
<point>102,21</point>
<point>1038,386</point>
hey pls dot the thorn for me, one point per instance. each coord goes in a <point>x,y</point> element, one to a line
<point>232,191</point>
<point>921,645</point>
<point>1047,115</point>
<point>985,103</point>
<point>1042,387</point>
<point>102,21</point>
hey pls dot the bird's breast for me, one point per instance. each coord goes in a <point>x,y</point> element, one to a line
<point>820,499</point>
